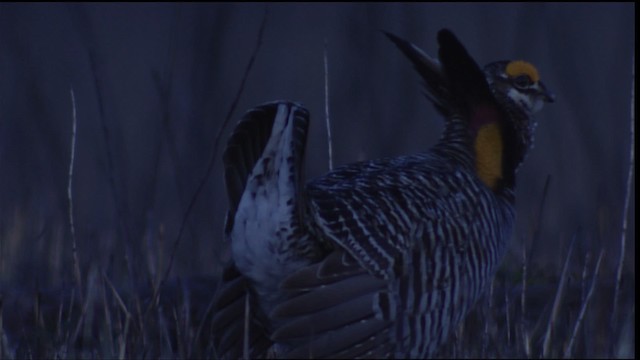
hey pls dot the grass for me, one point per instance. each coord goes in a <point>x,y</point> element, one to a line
<point>81,305</point>
<point>528,312</point>
<point>109,323</point>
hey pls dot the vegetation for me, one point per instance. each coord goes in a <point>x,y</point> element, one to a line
<point>66,292</point>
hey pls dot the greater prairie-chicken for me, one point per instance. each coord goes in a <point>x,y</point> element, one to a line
<point>380,258</point>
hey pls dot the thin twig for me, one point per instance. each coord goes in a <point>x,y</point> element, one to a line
<point>70,312</point>
<point>74,247</point>
<point>488,313</point>
<point>625,213</point>
<point>556,301</point>
<point>107,318</point>
<point>118,199</point>
<point>141,319</point>
<point>583,291</point>
<point>583,308</point>
<point>626,344</point>
<point>163,324</point>
<point>523,298</point>
<point>89,314</point>
<point>506,306</point>
<point>326,103</point>
<point>81,321</point>
<point>245,340</point>
<point>535,243</point>
<point>214,156</point>
<point>2,351</point>
<point>87,32</point>
<point>179,342</point>
<point>123,307</point>
<point>58,333</point>
<point>123,338</point>
<point>204,318</point>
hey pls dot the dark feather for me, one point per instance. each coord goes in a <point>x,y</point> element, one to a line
<point>466,78</point>
<point>431,72</point>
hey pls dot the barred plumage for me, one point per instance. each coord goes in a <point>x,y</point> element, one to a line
<point>379,258</point>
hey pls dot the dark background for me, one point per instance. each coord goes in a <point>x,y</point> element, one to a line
<point>153,84</point>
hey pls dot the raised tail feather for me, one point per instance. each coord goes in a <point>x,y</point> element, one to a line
<point>244,148</point>
<point>435,83</point>
<point>455,75</point>
<point>247,144</point>
<point>466,79</point>
<point>266,147</point>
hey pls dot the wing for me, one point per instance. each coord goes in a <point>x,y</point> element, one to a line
<point>371,209</point>
<point>331,312</point>
<point>400,288</point>
<point>232,323</point>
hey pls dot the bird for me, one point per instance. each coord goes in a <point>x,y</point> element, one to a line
<point>380,258</point>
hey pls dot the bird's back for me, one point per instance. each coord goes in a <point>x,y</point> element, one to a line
<point>423,225</point>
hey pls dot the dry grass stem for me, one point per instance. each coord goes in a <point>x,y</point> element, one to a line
<point>625,212</point>
<point>107,319</point>
<point>123,307</point>
<point>123,338</point>
<point>326,104</point>
<point>245,343</point>
<point>583,308</point>
<point>506,307</point>
<point>74,248</point>
<point>556,302</point>
<point>537,227</point>
<point>2,347</point>
<point>214,156</point>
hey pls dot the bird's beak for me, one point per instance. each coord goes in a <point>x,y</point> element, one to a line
<point>547,95</point>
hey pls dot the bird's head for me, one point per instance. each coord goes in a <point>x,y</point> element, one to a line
<point>518,82</point>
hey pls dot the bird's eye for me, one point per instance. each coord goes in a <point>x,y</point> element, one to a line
<point>523,81</point>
